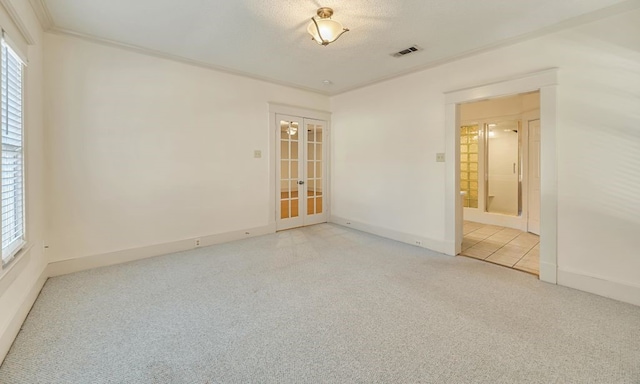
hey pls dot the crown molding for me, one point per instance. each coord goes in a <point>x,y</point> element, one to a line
<point>42,13</point>
<point>15,16</point>
<point>180,59</point>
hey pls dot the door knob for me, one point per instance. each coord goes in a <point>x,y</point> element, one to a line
<point>300,182</point>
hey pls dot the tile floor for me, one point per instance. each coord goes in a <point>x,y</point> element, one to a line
<point>505,246</point>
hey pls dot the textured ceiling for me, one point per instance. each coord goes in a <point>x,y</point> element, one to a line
<point>267,39</point>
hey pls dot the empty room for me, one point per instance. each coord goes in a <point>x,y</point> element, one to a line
<point>406,191</point>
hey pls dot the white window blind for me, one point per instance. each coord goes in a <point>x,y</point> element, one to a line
<point>12,208</point>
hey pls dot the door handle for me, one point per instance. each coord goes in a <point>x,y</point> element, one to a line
<point>300,182</point>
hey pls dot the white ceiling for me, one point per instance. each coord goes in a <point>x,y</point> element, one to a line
<point>267,39</point>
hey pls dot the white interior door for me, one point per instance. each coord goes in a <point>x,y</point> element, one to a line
<point>300,172</point>
<point>533,217</point>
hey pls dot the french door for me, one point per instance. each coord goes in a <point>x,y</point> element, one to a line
<point>300,171</point>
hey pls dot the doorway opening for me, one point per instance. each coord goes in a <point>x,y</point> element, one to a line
<point>500,161</point>
<point>546,83</point>
<point>500,180</point>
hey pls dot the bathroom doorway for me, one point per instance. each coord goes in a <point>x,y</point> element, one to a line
<point>500,180</point>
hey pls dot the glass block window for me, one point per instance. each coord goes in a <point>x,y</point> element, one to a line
<point>469,165</point>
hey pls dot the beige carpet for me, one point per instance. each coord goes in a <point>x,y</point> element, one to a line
<point>321,304</point>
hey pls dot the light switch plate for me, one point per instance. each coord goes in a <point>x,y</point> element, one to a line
<point>440,157</point>
<point>257,154</point>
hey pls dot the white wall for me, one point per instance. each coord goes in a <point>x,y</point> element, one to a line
<point>385,137</point>
<point>144,151</point>
<point>21,281</point>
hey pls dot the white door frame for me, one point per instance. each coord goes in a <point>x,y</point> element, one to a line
<point>284,109</point>
<point>545,81</point>
<point>529,181</point>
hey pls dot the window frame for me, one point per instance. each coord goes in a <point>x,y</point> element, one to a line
<point>10,254</point>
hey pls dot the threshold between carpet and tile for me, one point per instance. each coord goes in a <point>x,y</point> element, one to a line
<point>320,304</point>
<point>500,245</point>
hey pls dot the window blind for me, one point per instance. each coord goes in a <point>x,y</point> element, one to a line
<point>12,208</point>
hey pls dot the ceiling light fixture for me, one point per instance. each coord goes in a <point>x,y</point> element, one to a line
<point>324,30</point>
<point>291,130</point>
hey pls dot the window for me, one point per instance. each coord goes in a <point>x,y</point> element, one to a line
<point>12,208</point>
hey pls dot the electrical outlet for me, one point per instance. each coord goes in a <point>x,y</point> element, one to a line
<point>440,157</point>
<point>348,223</point>
<point>197,242</point>
<point>257,154</point>
<point>419,243</point>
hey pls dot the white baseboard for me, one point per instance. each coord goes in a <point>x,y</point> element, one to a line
<point>418,241</point>
<point>625,292</point>
<point>11,332</point>
<point>64,267</point>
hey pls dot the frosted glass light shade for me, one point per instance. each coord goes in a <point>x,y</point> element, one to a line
<point>323,30</point>
<point>329,29</point>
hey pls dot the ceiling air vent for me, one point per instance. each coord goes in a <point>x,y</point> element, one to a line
<point>411,49</point>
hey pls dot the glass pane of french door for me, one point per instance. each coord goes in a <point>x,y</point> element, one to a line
<point>315,167</point>
<point>289,169</point>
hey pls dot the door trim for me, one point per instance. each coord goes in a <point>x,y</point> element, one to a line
<point>530,177</point>
<point>309,113</point>
<point>545,81</point>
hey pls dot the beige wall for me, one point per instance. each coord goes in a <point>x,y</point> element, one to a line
<point>505,106</point>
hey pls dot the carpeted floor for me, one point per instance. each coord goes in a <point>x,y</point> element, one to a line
<point>322,304</point>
